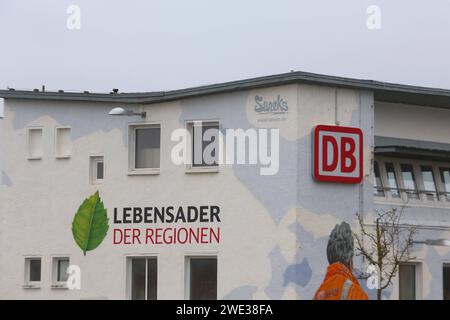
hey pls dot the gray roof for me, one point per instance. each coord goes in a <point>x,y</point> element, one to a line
<point>383,91</point>
<point>412,149</point>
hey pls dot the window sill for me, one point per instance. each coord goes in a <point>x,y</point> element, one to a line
<point>59,286</point>
<point>31,286</point>
<point>143,172</point>
<point>202,170</point>
<point>34,158</point>
<point>63,157</point>
<point>412,203</point>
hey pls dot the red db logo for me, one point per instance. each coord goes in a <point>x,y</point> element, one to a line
<point>338,154</point>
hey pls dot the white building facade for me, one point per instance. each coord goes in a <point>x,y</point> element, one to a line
<point>253,230</point>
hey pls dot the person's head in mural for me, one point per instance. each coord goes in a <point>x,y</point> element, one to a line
<point>340,245</point>
<point>339,282</point>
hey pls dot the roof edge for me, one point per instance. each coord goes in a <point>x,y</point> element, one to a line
<point>384,90</point>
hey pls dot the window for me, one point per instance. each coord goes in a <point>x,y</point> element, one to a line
<point>445,178</point>
<point>407,282</point>
<point>392,180</point>
<point>59,271</point>
<point>421,180</point>
<point>144,278</point>
<point>205,143</point>
<point>32,271</point>
<point>35,146</point>
<point>378,186</point>
<point>409,182</point>
<point>145,148</point>
<point>202,278</point>
<point>63,144</point>
<point>97,169</point>
<point>446,281</point>
<point>429,183</point>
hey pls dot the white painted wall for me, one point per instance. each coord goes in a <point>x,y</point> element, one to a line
<point>412,122</point>
<point>273,228</point>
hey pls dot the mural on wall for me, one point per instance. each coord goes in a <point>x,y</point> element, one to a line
<point>278,107</point>
<point>340,282</point>
<point>90,224</point>
<point>290,263</point>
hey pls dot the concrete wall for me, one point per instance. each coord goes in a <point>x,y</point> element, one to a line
<point>274,229</point>
<point>412,122</point>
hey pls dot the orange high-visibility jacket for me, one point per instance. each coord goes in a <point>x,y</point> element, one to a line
<point>340,284</point>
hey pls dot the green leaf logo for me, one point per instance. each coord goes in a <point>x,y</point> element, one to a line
<point>90,224</point>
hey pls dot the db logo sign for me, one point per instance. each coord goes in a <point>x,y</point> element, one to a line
<point>338,154</point>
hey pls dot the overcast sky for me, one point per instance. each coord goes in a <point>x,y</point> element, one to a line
<point>168,44</point>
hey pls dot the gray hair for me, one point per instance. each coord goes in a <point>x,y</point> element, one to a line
<point>340,245</point>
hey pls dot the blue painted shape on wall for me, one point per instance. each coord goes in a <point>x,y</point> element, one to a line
<point>276,286</point>
<point>241,293</point>
<point>82,120</point>
<point>299,273</point>
<point>6,180</point>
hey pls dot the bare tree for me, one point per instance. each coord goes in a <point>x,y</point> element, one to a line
<point>385,244</point>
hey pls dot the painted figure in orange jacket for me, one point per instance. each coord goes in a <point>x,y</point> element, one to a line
<point>339,282</point>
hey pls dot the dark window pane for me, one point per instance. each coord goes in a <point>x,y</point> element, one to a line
<point>62,275</point>
<point>211,145</point>
<point>429,182</point>
<point>152,279</point>
<point>147,142</point>
<point>203,279</point>
<point>138,279</point>
<point>445,177</point>
<point>409,181</point>
<point>35,269</point>
<point>407,279</point>
<point>100,170</point>
<point>446,280</point>
<point>392,180</point>
<point>378,187</point>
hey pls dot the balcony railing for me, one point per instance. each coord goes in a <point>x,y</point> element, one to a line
<point>412,193</point>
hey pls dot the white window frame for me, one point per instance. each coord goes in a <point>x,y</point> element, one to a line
<point>187,271</point>
<point>383,186</point>
<point>93,160</point>
<point>55,143</point>
<point>423,200</point>
<point>436,178</point>
<point>128,280</point>
<point>190,168</point>
<point>417,179</point>
<point>439,183</point>
<point>29,156</point>
<point>54,276</point>
<point>132,170</point>
<point>419,278</point>
<point>28,284</point>
<point>385,180</point>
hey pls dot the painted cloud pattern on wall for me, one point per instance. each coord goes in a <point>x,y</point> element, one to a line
<point>5,179</point>
<point>292,188</point>
<point>276,194</point>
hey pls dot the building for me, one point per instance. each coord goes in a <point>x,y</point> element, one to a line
<point>256,230</point>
